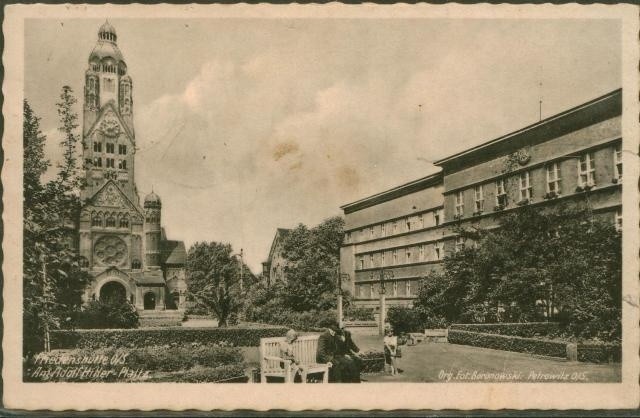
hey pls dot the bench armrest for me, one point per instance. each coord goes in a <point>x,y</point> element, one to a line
<point>275,358</point>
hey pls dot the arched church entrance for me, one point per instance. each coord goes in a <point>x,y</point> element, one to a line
<point>113,292</point>
<point>149,301</point>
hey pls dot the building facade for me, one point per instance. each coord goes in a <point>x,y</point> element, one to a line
<point>121,242</point>
<point>405,232</point>
<point>273,268</point>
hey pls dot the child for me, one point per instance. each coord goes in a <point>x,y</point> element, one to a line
<point>390,351</point>
<point>287,354</point>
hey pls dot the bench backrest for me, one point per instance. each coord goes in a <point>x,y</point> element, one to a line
<point>304,350</point>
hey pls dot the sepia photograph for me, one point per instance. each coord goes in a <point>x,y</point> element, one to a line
<point>310,199</point>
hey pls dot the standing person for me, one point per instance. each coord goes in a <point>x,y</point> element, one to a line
<point>390,351</point>
<point>287,354</point>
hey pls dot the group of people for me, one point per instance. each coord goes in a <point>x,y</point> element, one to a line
<point>337,349</point>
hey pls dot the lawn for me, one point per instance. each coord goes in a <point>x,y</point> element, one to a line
<point>437,362</point>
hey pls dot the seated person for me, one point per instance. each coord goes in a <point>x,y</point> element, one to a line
<point>287,354</point>
<point>337,349</point>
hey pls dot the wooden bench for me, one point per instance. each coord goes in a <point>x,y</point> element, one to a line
<point>304,349</point>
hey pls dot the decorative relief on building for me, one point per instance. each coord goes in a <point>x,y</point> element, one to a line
<point>110,196</point>
<point>515,159</point>
<point>110,250</point>
<point>110,125</point>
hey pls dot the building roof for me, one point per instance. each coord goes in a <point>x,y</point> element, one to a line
<point>398,191</point>
<point>173,252</point>
<point>281,233</point>
<point>586,114</point>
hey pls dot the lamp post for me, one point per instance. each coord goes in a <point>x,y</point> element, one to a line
<point>241,254</point>
<point>384,275</point>
<point>339,292</point>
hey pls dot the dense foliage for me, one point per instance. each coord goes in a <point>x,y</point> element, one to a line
<point>568,269</point>
<point>142,337</point>
<point>108,314</point>
<point>358,313</point>
<point>307,300</point>
<point>53,282</point>
<point>214,280</point>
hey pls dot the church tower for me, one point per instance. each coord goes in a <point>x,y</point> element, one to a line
<point>108,117</point>
<point>122,243</point>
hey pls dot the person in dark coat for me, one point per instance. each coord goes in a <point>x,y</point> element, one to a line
<point>336,348</point>
<point>349,349</point>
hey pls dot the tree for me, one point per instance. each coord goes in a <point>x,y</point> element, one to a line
<point>313,257</point>
<point>53,281</point>
<point>214,279</point>
<point>567,269</point>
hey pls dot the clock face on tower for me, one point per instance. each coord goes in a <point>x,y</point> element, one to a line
<point>110,125</point>
<point>110,251</point>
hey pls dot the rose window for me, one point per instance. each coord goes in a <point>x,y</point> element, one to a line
<point>110,250</point>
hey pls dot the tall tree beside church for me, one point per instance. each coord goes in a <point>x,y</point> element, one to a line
<point>53,281</point>
<point>214,279</point>
<point>35,216</point>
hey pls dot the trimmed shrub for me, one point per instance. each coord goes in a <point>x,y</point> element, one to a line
<point>404,320</point>
<point>372,362</point>
<point>184,357</point>
<point>508,343</point>
<point>145,337</point>
<point>600,352</point>
<point>524,329</point>
<point>358,313</point>
<point>110,314</point>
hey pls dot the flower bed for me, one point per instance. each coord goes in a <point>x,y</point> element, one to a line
<point>372,362</point>
<point>523,329</point>
<point>508,343</point>
<point>144,337</point>
<point>169,363</point>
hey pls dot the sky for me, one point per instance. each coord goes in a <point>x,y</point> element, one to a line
<point>248,125</point>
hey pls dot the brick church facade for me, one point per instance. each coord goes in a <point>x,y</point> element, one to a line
<point>121,242</point>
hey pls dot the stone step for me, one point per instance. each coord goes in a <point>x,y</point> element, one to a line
<point>160,318</point>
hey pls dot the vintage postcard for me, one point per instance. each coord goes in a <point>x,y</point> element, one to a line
<point>320,207</point>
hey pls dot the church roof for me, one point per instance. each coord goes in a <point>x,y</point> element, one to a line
<point>173,252</point>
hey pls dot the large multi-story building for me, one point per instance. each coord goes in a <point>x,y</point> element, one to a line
<point>121,243</point>
<point>405,232</point>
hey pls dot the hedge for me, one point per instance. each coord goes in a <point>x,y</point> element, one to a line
<point>523,329</point>
<point>372,362</point>
<point>144,337</point>
<point>508,343</point>
<point>599,353</point>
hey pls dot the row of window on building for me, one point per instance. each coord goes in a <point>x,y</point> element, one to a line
<point>110,148</point>
<point>407,255</point>
<point>396,288</point>
<point>109,221</point>
<point>109,163</point>
<point>408,224</point>
<point>586,178</point>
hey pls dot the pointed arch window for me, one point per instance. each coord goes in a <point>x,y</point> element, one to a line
<point>96,220</point>
<point>111,222</point>
<point>124,222</point>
